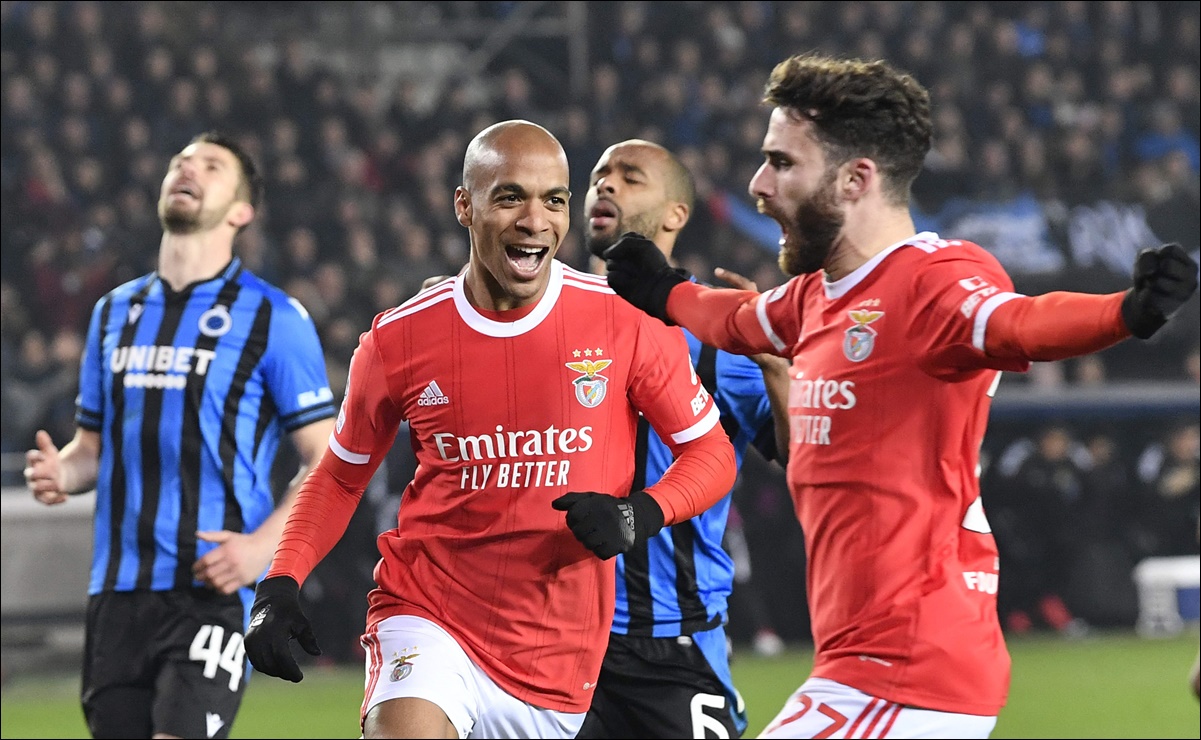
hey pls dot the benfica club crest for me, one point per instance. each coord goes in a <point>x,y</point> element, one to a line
<point>590,387</point>
<point>860,339</point>
<point>401,667</point>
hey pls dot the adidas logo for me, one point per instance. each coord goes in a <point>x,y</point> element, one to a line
<point>432,396</point>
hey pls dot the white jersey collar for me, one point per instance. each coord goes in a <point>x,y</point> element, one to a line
<point>501,329</point>
<point>838,288</point>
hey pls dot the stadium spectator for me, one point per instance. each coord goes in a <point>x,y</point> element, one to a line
<point>1100,588</point>
<point>1039,516</point>
<point>1169,504</point>
<point>38,386</point>
<point>1165,134</point>
<point>494,612</point>
<point>897,338</point>
<point>666,672</point>
<point>749,596</point>
<point>184,390</point>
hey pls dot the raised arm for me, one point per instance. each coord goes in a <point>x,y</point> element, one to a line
<point>775,376</point>
<point>727,319</point>
<point>1060,325</point>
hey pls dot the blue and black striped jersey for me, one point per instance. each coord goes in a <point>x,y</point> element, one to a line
<point>679,581</point>
<point>190,392</point>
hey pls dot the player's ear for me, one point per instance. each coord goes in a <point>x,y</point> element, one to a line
<point>675,216</point>
<point>463,206</point>
<point>857,177</point>
<point>240,214</point>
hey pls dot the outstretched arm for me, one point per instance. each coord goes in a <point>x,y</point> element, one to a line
<point>775,375</point>
<point>1059,325</point>
<point>727,319</point>
<point>1055,326</point>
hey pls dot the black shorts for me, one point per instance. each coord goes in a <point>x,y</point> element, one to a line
<point>665,687</point>
<point>163,661</point>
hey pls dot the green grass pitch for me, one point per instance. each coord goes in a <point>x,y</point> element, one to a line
<point>1114,685</point>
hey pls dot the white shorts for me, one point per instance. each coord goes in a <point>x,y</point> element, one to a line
<point>825,708</point>
<point>413,657</point>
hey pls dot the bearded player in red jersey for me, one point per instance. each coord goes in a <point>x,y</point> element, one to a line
<point>897,342</point>
<point>522,381</point>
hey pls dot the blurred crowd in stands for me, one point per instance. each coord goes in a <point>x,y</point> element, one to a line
<point>1068,103</point>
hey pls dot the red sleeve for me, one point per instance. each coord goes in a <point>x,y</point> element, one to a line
<point>667,391</point>
<point>366,428</point>
<point>323,508</point>
<point>954,292</point>
<point>704,470</point>
<point>1055,326</point>
<point>725,318</point>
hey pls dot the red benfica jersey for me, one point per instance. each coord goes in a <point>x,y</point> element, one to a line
<point>888,402</point>
<point>506,416</point>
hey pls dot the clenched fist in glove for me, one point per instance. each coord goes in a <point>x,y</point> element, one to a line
<point>275,619</point>
<point>639,273</point>
<point>610,525</point>
<point>1164,278</point>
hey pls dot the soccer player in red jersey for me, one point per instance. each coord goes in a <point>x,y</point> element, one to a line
<point>897,342</point>
<point>522,381</point>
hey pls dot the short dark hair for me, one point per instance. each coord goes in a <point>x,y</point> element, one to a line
<point>859,108</point>
<point>251,189</point>
<point>681,186</point>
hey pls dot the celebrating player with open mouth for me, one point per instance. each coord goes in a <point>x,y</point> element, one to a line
<point>897,341</point>
<point>522,381</point>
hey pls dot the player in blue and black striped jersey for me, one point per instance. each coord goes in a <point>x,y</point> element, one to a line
<point>190,376</point>
<point>666,672</point>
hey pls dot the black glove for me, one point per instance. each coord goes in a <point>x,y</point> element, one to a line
<point>275,619</point>
<point>639,273</point>
<point>608,525</point>
<point>1164,278</point>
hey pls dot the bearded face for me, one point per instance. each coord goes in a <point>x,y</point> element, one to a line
<point>599,239</point>
<point>186,218</point>
<point>816,223</point>
<point>188,208</point>
<point>200,187</point>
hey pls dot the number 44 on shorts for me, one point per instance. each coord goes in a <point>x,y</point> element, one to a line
<point>206,648</point>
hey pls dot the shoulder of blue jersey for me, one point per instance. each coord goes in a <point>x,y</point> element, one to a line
<point>274,294</point>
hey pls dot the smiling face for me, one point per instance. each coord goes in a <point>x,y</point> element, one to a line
<point>202,190</point>
<point>796,186</point>
<point>628,191</point>
<point>514,203</point>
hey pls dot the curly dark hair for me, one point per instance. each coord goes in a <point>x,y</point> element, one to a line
<point>859,108</point>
